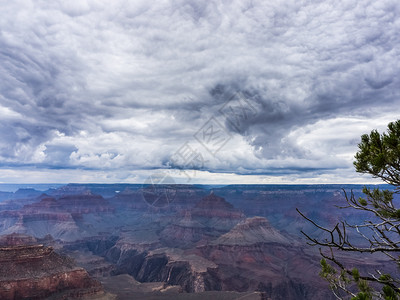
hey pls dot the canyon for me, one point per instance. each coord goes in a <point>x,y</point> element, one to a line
<point>231,241</point>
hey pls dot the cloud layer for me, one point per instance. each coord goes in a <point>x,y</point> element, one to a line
<point>96,88</point>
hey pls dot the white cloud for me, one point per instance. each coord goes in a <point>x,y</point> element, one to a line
<point>122,85</point>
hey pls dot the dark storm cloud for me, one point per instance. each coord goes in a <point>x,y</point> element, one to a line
<point>125,85</point>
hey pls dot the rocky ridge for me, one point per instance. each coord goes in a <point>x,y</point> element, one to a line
<point>35,271</point>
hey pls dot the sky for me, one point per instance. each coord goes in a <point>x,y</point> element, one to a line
<point>190,91</point>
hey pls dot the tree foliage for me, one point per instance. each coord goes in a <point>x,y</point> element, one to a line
<point>379,156</point>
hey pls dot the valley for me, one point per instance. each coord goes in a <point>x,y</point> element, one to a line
<point>229,242</point>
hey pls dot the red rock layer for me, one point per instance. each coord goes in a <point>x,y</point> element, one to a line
<point>36,272</point>
<point>40,288</point>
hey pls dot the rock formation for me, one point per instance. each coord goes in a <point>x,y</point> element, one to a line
<point>34,271</point>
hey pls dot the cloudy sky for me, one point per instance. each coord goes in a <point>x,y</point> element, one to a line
<point>262,91</point>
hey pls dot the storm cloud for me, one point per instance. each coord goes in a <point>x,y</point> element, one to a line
<point>113,91</point>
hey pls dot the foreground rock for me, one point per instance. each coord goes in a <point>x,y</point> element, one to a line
<point>34,271</point>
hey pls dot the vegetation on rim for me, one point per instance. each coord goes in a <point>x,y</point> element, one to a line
<point>379,156</point>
